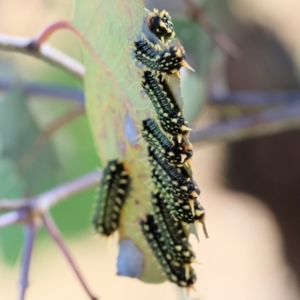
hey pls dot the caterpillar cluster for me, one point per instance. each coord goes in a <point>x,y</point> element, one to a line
<point>174,153</point>
<point>113,191</point>
<point>175,196</point>
<point>175,199</point>
<point>181,274</point>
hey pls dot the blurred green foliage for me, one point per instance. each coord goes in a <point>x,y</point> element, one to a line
<point>70,153</point>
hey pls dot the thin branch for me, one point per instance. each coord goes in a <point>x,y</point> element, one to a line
<point>44,52</point>
<point>8,205</point>
<point>30,211</point>
<point>61,121</point>
<point>13,217</point>
<point>270,121</point>
<point>250,98</point>
<point>30,235</point>
<point>48,199</point>
<point>55,234</point>
<point>34,89</point>
<point>244,98</point>
<point>45,201</point>
<point>49,30</point>
<point>198,15</point>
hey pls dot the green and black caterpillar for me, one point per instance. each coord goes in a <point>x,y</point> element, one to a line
<point>114,189</point>
<point>181,274</point>
<point>175,154</point>
<point>161,25</point>
<point>175,194</point>
<point>175,199</point>
<point>167,110</point>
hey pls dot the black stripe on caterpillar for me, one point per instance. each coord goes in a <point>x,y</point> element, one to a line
<point>160,143</point>
<point>182,275</point>
<point>179,210</point>
<point>187,212</point>
<point>179,180</point>
<point>161,25</point>
<point>173,232</point>
<point>114,188</point>
<point>182,205</point>
<point>168,112</point>
<point>165,61</point>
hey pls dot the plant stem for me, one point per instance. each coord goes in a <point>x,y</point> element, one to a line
<point>251,98</point>
<point>56,236</point>
<point>30,235</point>
<point>50,198</point>
<point>45,201</point>
<point>12,217</point>
<point>268,122</point>
<point>33,89</point>
<point>44,52</point>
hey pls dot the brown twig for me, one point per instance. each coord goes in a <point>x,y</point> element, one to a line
<point>268,122</point>
<point>48,199</point>
<point>253,98</point>
<point>43,202</point>
<point>49,91</point>
<point>56,236</point>
<point>30,235</point>
<point>48,31</point>
<point>37,48</point>
<point>13,217</point>
<point>198,15</point>
<point>32,211</point>
<point>9,205</point>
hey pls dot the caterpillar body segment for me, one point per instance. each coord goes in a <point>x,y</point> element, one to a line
<point>179,182</point>
<point>182,275</point>
<point>168,112</point>
<point>165,61</point>
<point>114,188</point>
<point>173,234</point>
<point>178,191</point>
<point>158,141</point>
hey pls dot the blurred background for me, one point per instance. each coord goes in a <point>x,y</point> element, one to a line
<point>250,187</point>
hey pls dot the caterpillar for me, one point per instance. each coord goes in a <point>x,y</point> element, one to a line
<point>114,189</point>
<point>157,140</point>
<point>185,211</point>
<point>188,213</point>
<point>165,61</point>
<point>178,209</point>
<point>183,206</point>
<point>172,231</point>
<point>161,25</point>
<point>183,276</point>
<point>168,112</point>
<point>178,180</point>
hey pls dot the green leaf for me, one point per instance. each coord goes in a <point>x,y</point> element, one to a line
<point>115,108</point>
<point>78,156</point>
<point>11,187</point>
<point>11,240</point>
<point>23,171</point>
<point>19,135</point>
